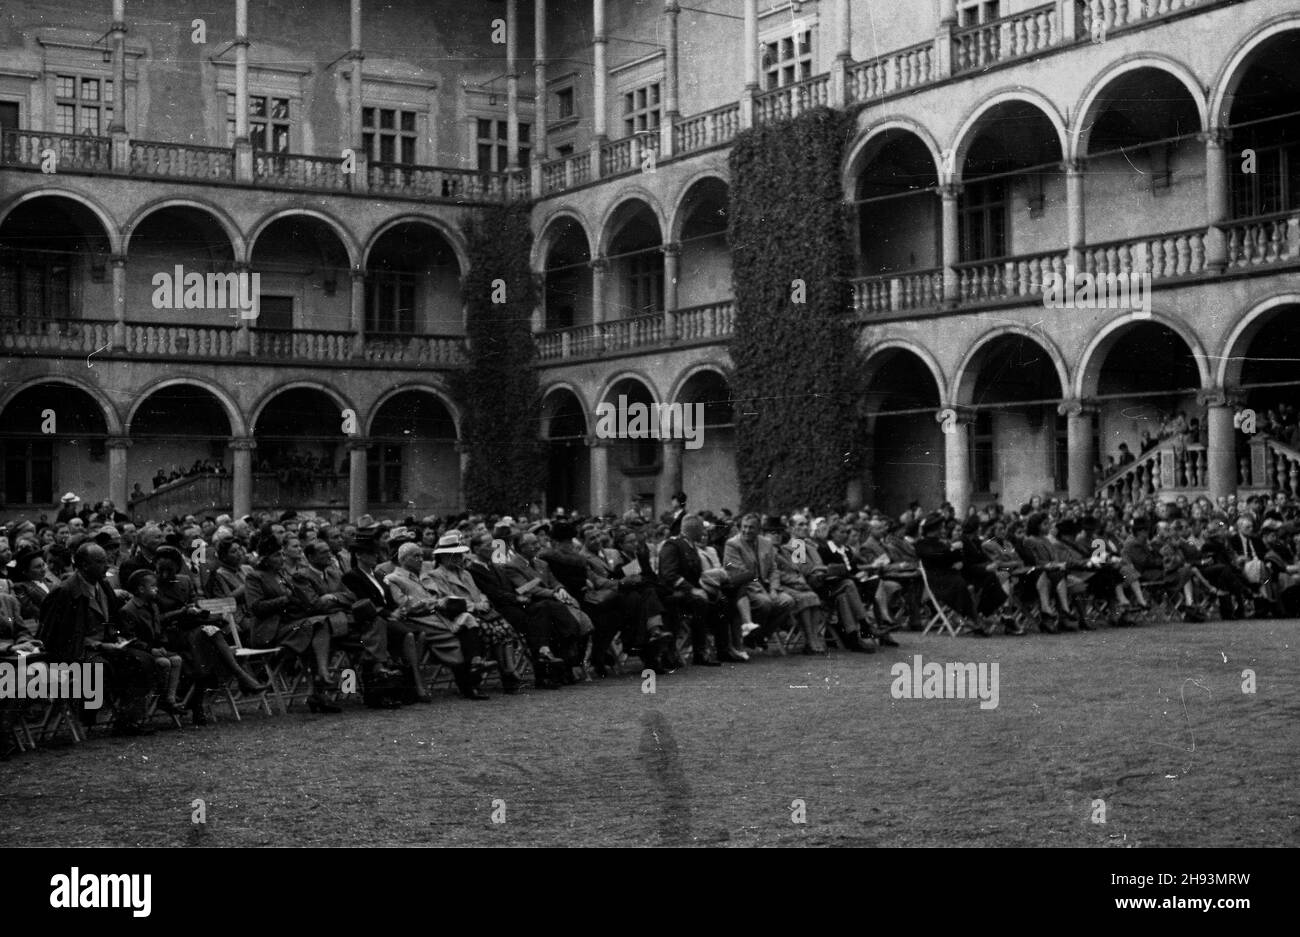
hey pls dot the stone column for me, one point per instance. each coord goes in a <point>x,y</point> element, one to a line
<point>243,333</point>
<point>358,489</point>
<point>950,192</point>
<point>117,468</point>
<point>243,147</point>
<point>1079,435</point>
<point>1216,199</point>
<point>751,64</point>
<point>672,266</point>
<point>512,85</point>
<point>943,38</point>
<point>1074,214</point>
<point>117,263</point>
<point>241,475</point>
<point>599,474</point>
<point>361,178</point>
<point>672,102</point>
<point>463,450</point>
<point>670,477</point>
<point>600,77</point>
<point>843,54</point>
<point>541,146</point>
<point>358,312</point>
<point>117,127</point>
<point>599,266</point>
<point>1221,453</point>
<point>956,452</point>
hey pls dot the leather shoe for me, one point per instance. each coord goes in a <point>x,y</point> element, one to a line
<point>476,694</point>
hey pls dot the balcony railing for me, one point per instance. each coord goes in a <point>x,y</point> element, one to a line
<point>566,172</point>
<point>200,341</point>
<point>1161,256</point>
<point>887,74</point>
<point>781,103</point>
<point>898,292</point>
<point>54,336</point>
<point>1269,239</point>
<point>1008,278</point>
<point>408,180</point>
<point>711,128</point>
<point>298,171</point>
<point>303,344</point>
<point>182,161</point>
<point>415,349</point>
<point>1009,37</point>
<point>1099,17</point>
<point>703,323</point>
<point>70,152</point>
<point>627,154</point>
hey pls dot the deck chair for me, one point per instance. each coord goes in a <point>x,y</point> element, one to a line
<point>940,616</point>
<point>261,662</point>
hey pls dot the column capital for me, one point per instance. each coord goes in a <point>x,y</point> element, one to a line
<point>118,442</point>
<point>672,7</point>
<point>1220,397</point>
<point>357,442</point>
<point>949,190</point>
<point>962,416</point>
<point>357,273</point>
<point>242,443</point>
<point>1074,166</point>
<point>672,249</point>
<point>598,442</point>
<point>356,55</point>
<point>1077,408</point>
<point>599,264</point>
<point>117,260</point>
<point>1215,136</point>
<point>241,266</point>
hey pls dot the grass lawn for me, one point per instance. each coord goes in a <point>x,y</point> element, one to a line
<point>1151,720</point>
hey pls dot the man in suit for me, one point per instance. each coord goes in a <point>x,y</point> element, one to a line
<point>79,624</point>
<point>750,561</point>
<point>680,568</point>
<point>544,622</point>
<point>384,637</point>
<point>678,508</point>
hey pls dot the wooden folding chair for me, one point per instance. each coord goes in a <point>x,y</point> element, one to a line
<point>940,615</point>
<point>261,662</point>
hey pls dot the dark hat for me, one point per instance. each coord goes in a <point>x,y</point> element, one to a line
<point>680,498</point>
<point>772,522</point>
<point>932,524</point>
<point>268,545</point>
<point>1067,527</point>
<point>137,578</point>
<point>170,553</point>
<point>289,515</point>
<point>562,530</point>
<point>23,558</point>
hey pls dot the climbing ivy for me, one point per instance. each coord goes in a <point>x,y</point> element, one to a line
<point>499,387</point>
<point>794,361</point>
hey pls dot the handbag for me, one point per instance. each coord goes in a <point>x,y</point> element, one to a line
<point>1254,571</point>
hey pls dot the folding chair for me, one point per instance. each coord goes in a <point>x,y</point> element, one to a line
<point>261,662</point>
<point>940,615</point>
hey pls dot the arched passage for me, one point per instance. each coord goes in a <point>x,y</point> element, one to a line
<point>900,437</point>
<point>412,463</point>
<point>635,459</point>
<point>1263,362</point>
<point>52,440</point>
<point>55,265</point>
<point>193,239</point>
<point>704,264</point>
<point>899,216</point>
<point>564,430</point>
<point>634,281</point>
<point>300,458</point>
<point>412,284</point>
<point>305,272</point>
<point>179,432</point>
<point>1013,384</point>
<point>708,467</point>
<point>566,255</point>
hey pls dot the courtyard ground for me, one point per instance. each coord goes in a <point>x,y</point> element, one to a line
<point>1152,721</point>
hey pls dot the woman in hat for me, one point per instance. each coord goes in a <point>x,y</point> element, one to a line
<point>29,583</point>
<point>443,623</point>
<point>280,619</point>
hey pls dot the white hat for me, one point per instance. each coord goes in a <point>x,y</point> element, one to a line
<point>69,498</point>
<point>450,543</point>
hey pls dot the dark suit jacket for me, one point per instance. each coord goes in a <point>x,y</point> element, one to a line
<point>679,565</point>
<point>74,612</point>
<point>494,585</point>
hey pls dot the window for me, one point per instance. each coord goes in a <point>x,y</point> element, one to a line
<point>390,304</point>
<point>641,110</point>
<point>564,104</point>
<point>82,105</point>
<point>565,150</point>
<point>492,139</point>
<point>645,282</point>
<point>29,471</point>
<point>1274,186</point>
<point>34,287</point>
<point>981,452</point>
<point>384,473</point>
<point>984,220</point>
<point>388,134</point>
<point>975,12</point>
<point>268,122</point>
<point>787,61</point>
<point>8,115</point>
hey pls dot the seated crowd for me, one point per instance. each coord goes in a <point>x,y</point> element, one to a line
<point>483,596</point>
